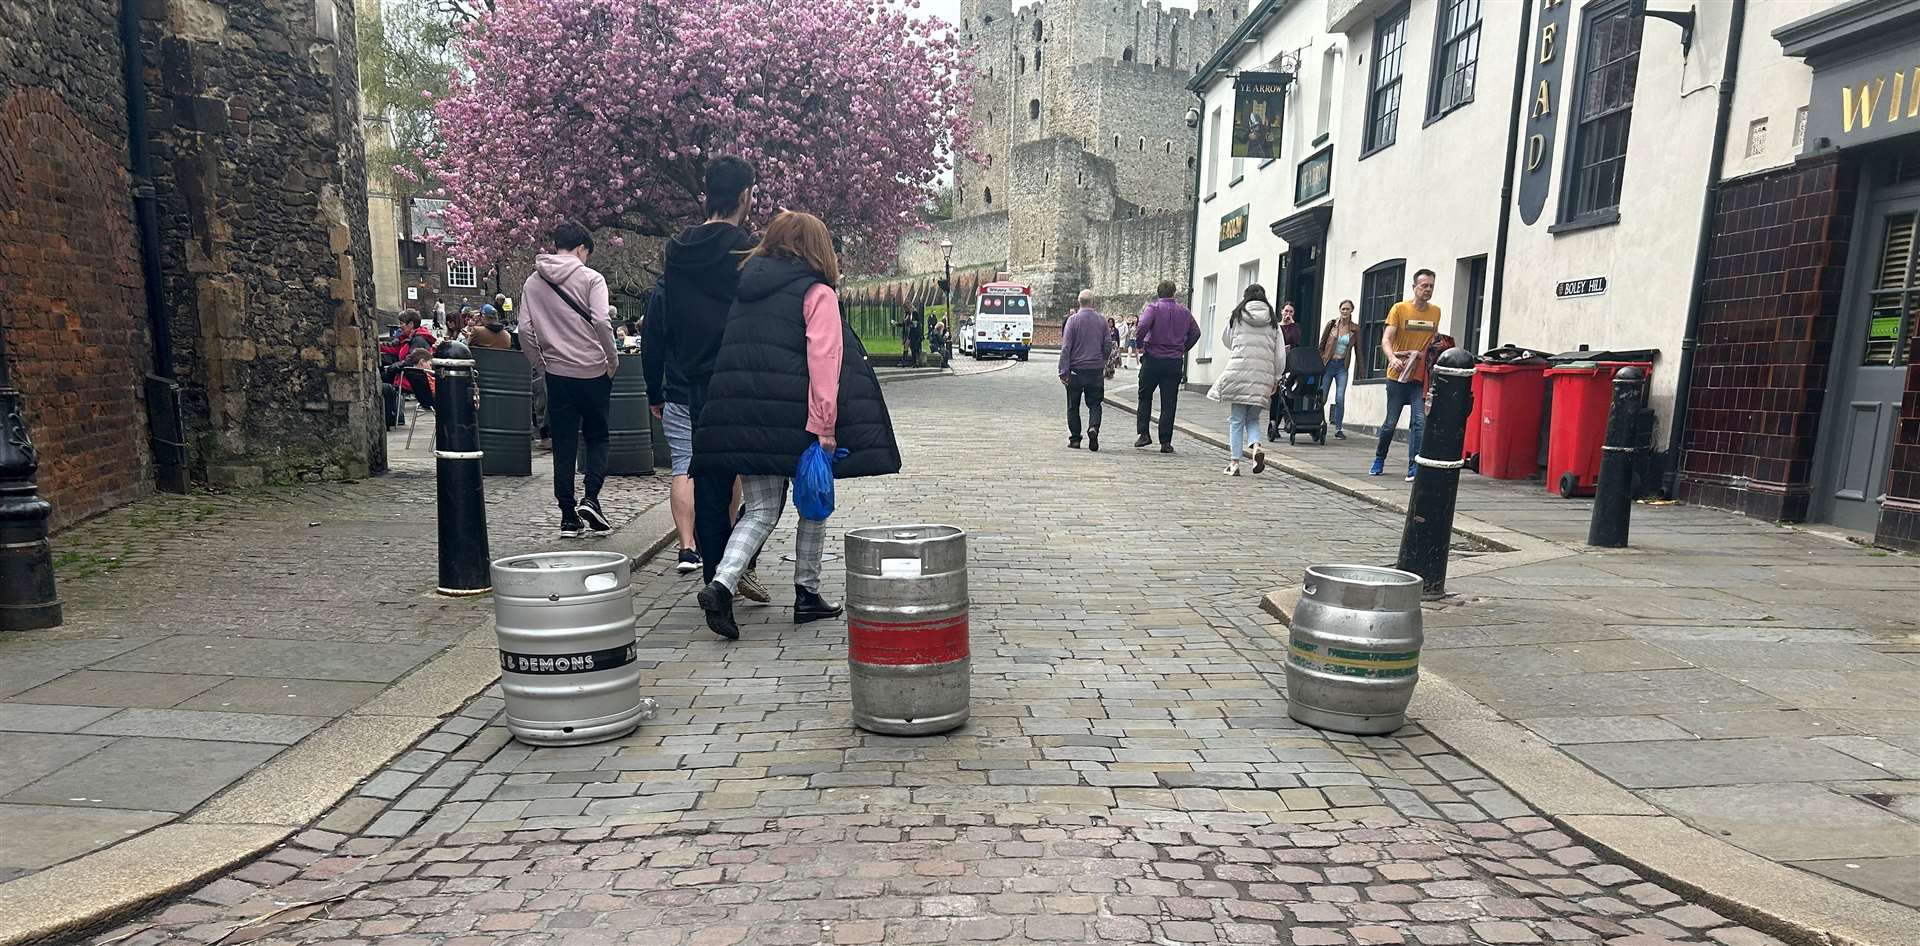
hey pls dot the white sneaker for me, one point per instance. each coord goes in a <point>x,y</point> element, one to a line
<point>1233,467</point>
<point>1259,459</point>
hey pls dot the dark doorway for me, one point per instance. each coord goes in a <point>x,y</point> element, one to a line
<point>1302,266</point>
<point>1473,279</point>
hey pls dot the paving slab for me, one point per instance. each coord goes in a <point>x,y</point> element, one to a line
<point>1793,821</point>
<point>147,774</point>
<point>1737,725</point>
<point>261,657</point>
<point>33,756</point>
<point>284,697</point>
<point>1573,730</point>
<point>116,688</point>
<point>37,836</point>
<point>1720,762</point>
<point>1895,878</point>
<point>50,718</point>
<point>194,724</point>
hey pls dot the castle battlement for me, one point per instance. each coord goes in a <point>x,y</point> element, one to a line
<point>1080,107</point>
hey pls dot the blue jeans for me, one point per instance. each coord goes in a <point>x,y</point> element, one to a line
<point>1403,394</point>
<point>1336,377</point>
<point>1243,428</point>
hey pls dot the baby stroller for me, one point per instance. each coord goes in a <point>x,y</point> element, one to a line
<point>1299,406</point>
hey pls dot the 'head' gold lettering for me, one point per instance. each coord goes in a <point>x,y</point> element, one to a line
<point>1547,34</point>
<point>1536,149</point>
<point>1542,100</point>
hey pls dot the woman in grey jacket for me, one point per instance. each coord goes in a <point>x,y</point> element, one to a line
<point>1256,354</point>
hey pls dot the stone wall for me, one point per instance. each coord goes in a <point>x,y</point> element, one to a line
<point>978,239</point>
<point>73,307</point>
<point>1140,111</point>
<point>260,166</point>
<point>1128,257</point>
<point>1081,106</point>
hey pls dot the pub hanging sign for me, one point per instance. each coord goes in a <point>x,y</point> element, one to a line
<point>1543,97</point>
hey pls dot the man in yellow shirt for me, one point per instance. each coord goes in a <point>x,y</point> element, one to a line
<point>1410,324</point>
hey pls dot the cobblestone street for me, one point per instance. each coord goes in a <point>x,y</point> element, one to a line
<point>1129,775</point>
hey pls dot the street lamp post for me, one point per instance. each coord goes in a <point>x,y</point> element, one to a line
<point>946,284</point>
<point>27,596</point>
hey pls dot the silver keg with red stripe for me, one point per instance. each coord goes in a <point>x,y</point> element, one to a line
<point>907,644</point>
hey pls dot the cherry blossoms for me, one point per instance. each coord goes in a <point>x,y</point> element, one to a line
<point>606,112</point>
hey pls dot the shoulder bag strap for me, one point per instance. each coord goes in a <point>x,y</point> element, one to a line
<point>578,309</point>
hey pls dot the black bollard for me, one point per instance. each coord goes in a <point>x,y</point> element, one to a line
<point>28,600</point>
<point>456,452</point>
<point>1613,497</point>
<point>1428,535</point>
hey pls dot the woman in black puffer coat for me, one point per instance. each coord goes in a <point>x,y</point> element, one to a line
<point>789,374</point>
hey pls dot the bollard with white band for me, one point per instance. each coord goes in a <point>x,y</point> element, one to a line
<point>462,503</point>
<point>1428,536</point>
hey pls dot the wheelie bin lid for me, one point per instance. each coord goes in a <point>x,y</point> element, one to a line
<point>1501,367</point>
<point>1637,354</point>
<point>1574,367</point>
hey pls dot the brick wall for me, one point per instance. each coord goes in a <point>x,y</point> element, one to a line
<point>1775,270</point>
<point>69,263</point>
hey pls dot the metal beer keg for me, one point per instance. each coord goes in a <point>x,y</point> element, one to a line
<point>1354,650</point>
<point>907,643</point>
<point>567,652</point>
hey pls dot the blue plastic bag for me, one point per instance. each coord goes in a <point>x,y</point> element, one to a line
<point>813,483</point>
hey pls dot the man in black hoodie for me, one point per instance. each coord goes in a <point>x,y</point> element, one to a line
<point>681,339</point>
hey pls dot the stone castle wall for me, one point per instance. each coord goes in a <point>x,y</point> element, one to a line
<point>1080,107</point>
<point>978,239</point>
<point>74,311</point>
<point>260,165</point>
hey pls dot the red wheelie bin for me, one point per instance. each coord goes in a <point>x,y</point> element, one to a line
<point>1582,392</point>
<point>1505,427</point>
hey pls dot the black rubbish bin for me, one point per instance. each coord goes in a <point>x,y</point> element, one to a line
<point>505,380</point>
<point>630,450</point>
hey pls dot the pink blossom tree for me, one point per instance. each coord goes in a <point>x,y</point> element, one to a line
<point>606,112</point>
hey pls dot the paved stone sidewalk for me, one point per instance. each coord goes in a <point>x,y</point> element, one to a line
<point>206,634</point>
<point>1760,683</point>
<point>1129,775</point>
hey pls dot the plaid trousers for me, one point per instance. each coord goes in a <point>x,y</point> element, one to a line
<point>764,496</point>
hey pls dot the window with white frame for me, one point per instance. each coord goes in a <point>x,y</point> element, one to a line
<point>1249,274</point>
<point>1213,154</point>
<point>1456,56</point>
<point>1209,300</point>
<point>1603,112</point>
<point>461,275</point>
<point>1383,85</point>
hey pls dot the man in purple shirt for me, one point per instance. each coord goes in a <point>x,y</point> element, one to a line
<point>1167,331</point>
<point>1085,346</point>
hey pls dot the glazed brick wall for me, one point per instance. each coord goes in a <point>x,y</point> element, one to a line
<point>74,312</point>
<point>1772,297</point>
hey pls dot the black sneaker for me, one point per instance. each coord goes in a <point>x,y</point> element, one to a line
<point>689,561</point>
<point>1093,439</point>
<point>1073,443</point>
<point>1166,448</point>
<point>590,513</point>
<point>570,527</point>
<point>1144,441</point>
<point>717,602</point>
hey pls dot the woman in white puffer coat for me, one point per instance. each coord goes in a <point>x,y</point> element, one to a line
<point>1256,354</point>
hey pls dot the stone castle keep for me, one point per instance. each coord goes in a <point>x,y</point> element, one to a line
<point>1087,162</point>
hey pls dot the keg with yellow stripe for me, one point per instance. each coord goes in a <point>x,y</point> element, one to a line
<point>1353,653</point>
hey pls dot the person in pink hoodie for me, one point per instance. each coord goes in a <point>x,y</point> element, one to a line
<point>568,337</point>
